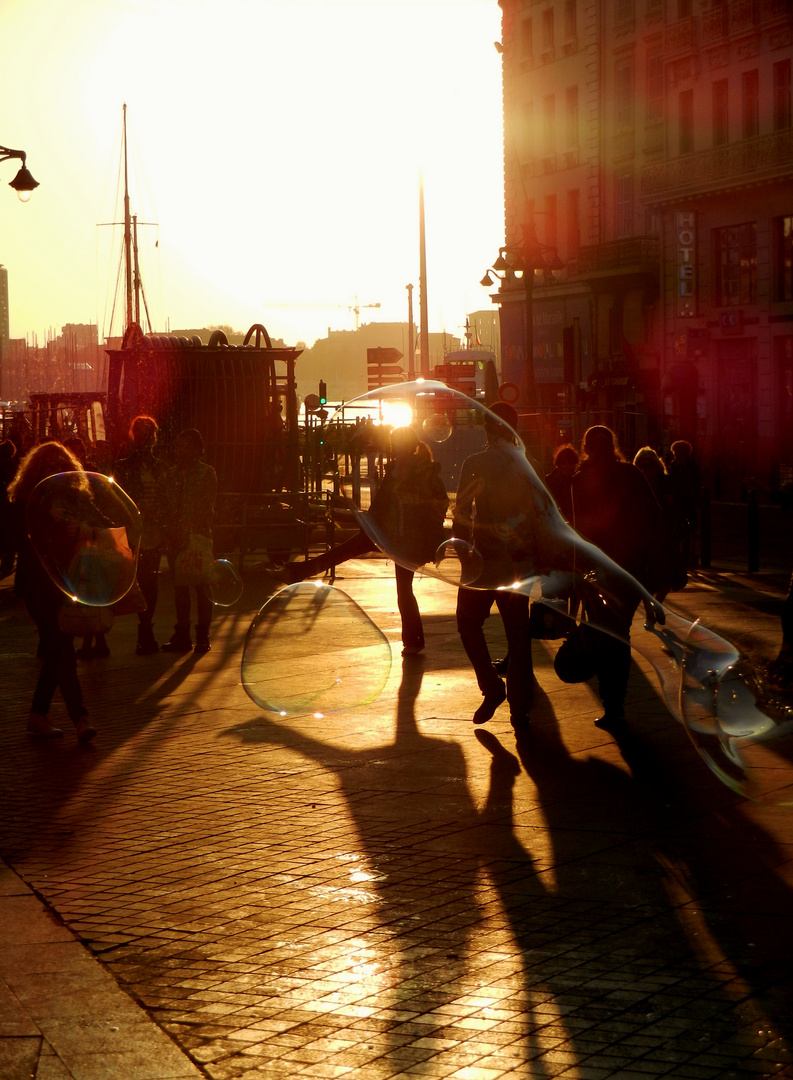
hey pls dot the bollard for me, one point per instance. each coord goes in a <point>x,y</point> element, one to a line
<point>753,533</point>
<point>704,529</point>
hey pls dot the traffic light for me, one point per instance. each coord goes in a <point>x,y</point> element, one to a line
<point>323,393</point>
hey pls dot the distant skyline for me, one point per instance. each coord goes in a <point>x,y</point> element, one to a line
<point>276,147</point>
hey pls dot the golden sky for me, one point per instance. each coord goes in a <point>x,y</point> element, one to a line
<point>275,145</point>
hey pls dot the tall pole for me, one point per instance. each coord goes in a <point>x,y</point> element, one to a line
<point>423,320</point>
<point>127,232</point>
<point>411,347</point>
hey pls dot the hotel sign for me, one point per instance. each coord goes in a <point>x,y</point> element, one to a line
<point>686,246</point>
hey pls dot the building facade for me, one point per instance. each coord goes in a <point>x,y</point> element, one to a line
<point>648,144</point>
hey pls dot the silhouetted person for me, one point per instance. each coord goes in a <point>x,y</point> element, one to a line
<point>653,470</point>
<point>140,474</point>
<point>187,505</point>
<point>44,599</point>
<point>684,475</point>
<point>614,508</point>
<point>559,480</point>
<point>493,513</point>
<point>405,520</point>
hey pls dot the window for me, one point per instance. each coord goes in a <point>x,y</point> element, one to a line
<point>654,100</point>
<point>782,110</point>
<point>571,116</point>
<point>685,101</point>
<point>547,30</point>
<point>784,253</point>
<point>526,140</point>
<point>526,40</point>
<point>721,127</point>
<point>623,97</point>
<point>570,20</point>
<point>624,12</point>
<point>751,104</point>
<point>736,264</point>
<point>623,205</point>
<point>549,124</point>
<point>551,224</point>
<point>573,223</point>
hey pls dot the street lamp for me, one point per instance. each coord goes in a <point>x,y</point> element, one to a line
<point>515,268</point>
<point>23,183</point>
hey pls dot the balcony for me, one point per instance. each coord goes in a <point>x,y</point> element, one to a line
<point>631,257</point>
<point>720,169</point>
<point>681,37</point>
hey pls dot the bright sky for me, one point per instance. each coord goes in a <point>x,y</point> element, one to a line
<point>276,145</point>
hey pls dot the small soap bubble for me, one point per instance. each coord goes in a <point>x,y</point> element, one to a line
<point>222,583</point>
<point>86,531</point>
<point>311,650</point>
<point>438,428</point>
<point>458,562</point>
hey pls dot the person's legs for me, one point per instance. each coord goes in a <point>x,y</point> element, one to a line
<point>148,580</point>
<point>412,629</point>
<point>357,545</point>
<point>514,611</point>
<point>180,640</point>
<point>58,671</point>
<point>473,607</point>
<point>204,611</point>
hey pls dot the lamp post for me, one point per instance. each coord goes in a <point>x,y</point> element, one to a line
<point>515,268</point>
<point>23,183</point>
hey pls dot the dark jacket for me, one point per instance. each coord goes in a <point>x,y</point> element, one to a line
<point>615,509</point>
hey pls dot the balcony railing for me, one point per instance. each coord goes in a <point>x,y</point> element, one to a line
<point>720,168</point>
<point>681,36</point>
<point>632,254</point>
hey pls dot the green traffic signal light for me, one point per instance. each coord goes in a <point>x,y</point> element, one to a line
<point>323,393</point>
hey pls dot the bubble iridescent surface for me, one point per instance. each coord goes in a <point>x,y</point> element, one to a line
<point>222,583</point>
<point>741,730</point>
<point>86,531</point>
<point>312,650</point>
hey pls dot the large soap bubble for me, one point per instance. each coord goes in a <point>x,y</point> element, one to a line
<point>741,731</point>
<point>86,531</point>
<point>312,650</point>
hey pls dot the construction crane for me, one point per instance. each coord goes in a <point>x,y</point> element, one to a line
<point>356,307</point>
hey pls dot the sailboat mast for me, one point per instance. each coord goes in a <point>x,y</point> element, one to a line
<point>127,232</point>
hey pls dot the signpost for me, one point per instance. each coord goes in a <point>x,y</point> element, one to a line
<point>382,367</point>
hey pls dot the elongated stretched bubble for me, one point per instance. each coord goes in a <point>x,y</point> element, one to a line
<point>742,732</point>
<point>86,531</point>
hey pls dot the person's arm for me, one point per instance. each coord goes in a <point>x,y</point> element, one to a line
<point>467,490</point>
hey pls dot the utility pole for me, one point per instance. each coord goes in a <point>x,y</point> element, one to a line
<point>424,322</point>
<point>411,347</point>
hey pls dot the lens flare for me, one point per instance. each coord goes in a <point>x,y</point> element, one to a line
<point>311,650</point>
<point>86,531</point>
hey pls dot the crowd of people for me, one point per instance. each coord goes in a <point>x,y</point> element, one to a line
<point>640,514</point>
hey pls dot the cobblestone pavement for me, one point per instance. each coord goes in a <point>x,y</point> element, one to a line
<point>389,892</point>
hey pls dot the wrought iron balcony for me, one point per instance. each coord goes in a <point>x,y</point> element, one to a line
<point>721,168</point>
<point>629,256</point>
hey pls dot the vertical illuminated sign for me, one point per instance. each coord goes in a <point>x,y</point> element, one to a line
<point>686,279</point>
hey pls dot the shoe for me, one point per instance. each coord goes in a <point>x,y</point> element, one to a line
<point>612,720</point>
<point>202,640</point>
<point>490,703</point>
<point>85,730</point>
<point>85,652</point>
<point>147,645</point>
<point>41,725</point>
<point>501,665</point>
<point>412,650</point>
<point>180,642</point>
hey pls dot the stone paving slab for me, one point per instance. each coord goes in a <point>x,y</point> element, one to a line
<point>388,892</point>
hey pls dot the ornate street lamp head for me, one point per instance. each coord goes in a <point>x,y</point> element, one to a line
<point>23,183</point>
